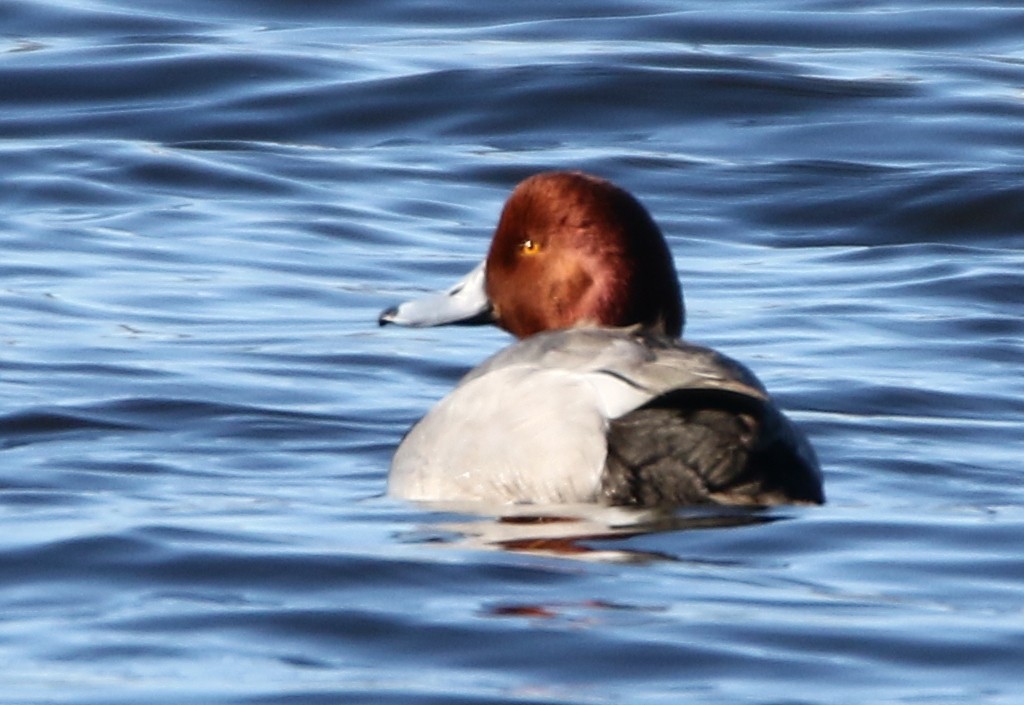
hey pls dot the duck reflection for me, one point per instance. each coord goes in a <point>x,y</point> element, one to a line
<point>581,532</point>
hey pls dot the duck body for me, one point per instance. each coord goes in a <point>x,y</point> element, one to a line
<point>617,416</point>
<point>599,401</point>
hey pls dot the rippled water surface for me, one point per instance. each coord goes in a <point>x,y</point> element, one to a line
<point>205,204</point>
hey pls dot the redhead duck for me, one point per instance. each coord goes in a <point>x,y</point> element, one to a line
<point>599,400</point>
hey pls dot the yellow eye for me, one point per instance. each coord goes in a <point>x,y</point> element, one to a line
<point>529,247</point>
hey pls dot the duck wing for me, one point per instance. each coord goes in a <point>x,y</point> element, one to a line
<point>708,433</point>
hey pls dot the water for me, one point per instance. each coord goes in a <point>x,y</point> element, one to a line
<point>204,206</point>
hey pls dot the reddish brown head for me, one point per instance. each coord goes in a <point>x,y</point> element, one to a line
<point>571,249</point>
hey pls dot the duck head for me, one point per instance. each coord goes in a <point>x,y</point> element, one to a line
<point>570,250</point>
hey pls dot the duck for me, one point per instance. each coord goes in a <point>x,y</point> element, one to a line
<point>600,400</point>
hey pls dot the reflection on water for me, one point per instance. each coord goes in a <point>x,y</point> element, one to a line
<point>576,531</point>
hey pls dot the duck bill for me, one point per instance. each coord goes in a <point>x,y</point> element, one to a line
<point>464,304</point>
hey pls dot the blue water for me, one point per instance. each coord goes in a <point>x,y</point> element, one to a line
<point>205,204</point>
